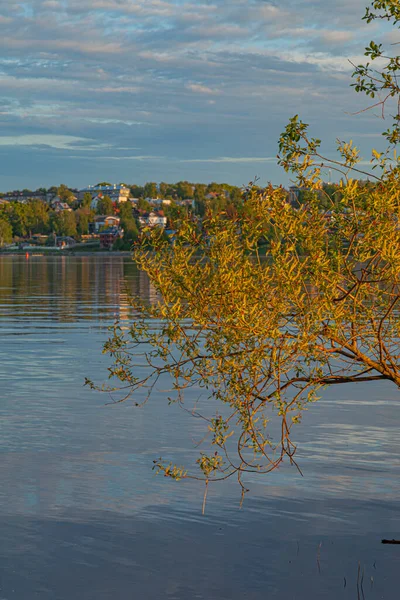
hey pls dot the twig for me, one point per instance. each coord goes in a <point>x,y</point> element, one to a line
<point>203,510</point>
<point>318,557</point>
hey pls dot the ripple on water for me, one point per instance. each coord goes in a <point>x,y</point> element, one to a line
<point>78,494</point>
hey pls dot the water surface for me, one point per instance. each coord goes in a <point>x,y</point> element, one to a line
<point>82,514</point>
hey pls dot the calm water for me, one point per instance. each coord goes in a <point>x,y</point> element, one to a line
<point>83,516</point>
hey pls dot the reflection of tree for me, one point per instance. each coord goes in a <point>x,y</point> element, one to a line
<point>146,290</point>
<point>70,289</point>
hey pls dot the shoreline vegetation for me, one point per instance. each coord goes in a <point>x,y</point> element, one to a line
<point>74,219</point>
<point>64,252</point>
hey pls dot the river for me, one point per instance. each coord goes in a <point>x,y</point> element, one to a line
<point>82,514</point>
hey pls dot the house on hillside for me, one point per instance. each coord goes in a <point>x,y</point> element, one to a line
<point>103,222</point>
<point>152,219</point>
<point>215,195</point>
<point>95,201</point>
<point>61,206</point>
<point>109,236</point>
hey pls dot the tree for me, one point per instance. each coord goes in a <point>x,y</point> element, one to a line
<point>105,206</point>
<point>144,205</point>
<point>150,190</point>
<point>86,200</point>
<point>65,194</point>
<point>131,234</point>
<point>52,190</point>
<point>217,188</point>
<point>175,214</point>
<point>184,190</point>
<point>5,232</point>
<point>126,211</point>
<point>200,202</point>
<point>200,190</point>
<point>83,216</point>
<point>137,191</point>
<point>129,225</point>
<point>259,339</point>
<point>235,195</point>
<point>63,223</point>
<point>38,217</point>
<point>165,188</point>
<point>19,218</point>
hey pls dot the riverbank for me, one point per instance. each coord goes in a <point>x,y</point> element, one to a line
<point>32,252</point>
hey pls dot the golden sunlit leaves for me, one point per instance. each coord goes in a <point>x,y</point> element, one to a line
<point>259,309</point>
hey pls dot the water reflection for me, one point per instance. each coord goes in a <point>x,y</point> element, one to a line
<point>78,495</point>
<point>69,289</point>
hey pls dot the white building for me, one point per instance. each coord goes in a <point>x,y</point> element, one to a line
<point>117,193</point>
<point>152,219</point>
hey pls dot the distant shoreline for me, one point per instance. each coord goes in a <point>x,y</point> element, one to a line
<point>39,253</point>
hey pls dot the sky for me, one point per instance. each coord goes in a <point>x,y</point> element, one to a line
<point>164,90</point>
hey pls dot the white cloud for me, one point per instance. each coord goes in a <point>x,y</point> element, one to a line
<point>119,158</point>
<point>105,121</point>
<point>201,89</point>
<point>233,159</point>
<point>61,142</point>
<point>336,36</point>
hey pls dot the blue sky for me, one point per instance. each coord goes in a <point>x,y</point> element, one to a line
<point>139,90</point>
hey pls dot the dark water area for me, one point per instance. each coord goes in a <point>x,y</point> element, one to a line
<point>82,514</point>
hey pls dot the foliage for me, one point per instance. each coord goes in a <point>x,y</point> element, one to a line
<point>255,338</point>
<point>184,190</point>
<point>129,225</point>
<point>65,194</point>
<point>175,213</point>
<point>127,242</point>
<point>199,199</point>
<point>63,223</point>
<point>105,206</point>
<point>150,190</point>
<point>126,211</point>
<point>5,232</point>
<point>83,217</point>
<point>27,218</point>
<point>382,81</point>
<point>86,200</point>
<point>137,191</point>
<point>263,336</point>
<point>166,189</point>
<point>144,205</point>
<point>39,216</point>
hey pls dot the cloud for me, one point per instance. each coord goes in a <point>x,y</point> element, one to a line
<point>178,78</point>
<point>336,36</point>
<point>122,158</point>
<point>201,89</point>
<point>61,142</point>
<point>60,46</point>
<point>106,121</point>
<point>234,159</point>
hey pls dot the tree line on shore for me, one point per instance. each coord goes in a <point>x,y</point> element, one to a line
<point>26,213</point>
